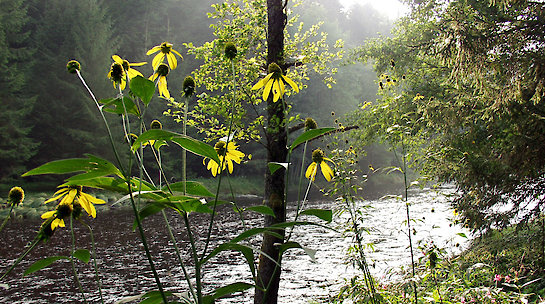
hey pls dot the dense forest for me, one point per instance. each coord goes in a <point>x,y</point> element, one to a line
<point>46,116</point>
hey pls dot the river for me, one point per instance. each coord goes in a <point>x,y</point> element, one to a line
<point>125,272</point>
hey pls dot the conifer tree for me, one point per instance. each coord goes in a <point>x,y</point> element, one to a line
<point>15,102</point>
<point>66,119</point>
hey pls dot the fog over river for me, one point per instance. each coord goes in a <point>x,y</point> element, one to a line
<point>125,272</point>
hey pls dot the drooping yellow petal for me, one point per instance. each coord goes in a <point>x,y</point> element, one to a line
<point>277,90</point>
<point>48,214</point>
<point>267,89</point>
<point>123,83</point>
<point>172,63</point>
<point>157,60</point>
<point>292,84</point>
<point>133,73</point>
<point>262,82</point>
<point>282,87</point>
<point>229,164</point>
<point>117,59</point>
<point>137,63</point>
<point>311,171</point>
<point>153,50</point>
<point>326,171</point>
<point>69,198</point>
<point>162,85</point>
<point>176,52</point>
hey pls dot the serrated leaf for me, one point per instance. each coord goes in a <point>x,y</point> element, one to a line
<point>326,215</point>
<point>83,255</point>
<point>43,263</point>
<point>143,88</point>
<point>308,135</point>
<point>274,166</point>
<point>266,210</point>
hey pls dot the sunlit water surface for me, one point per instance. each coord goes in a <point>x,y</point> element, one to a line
<point>125,272</point>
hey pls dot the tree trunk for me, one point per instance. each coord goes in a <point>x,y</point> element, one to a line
<point>269,271</point>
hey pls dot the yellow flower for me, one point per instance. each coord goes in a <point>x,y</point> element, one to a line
<point>161,72</point>
<point>318,158</point>
<point>56,217</point>
<point>165,49</point>
<point>70,193</point>
<point>131,73</point>
<point>117,75</point>
<point>231,154</point>
<point>274,82</point>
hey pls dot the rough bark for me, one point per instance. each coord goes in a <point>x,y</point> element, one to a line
<point>269,271</point>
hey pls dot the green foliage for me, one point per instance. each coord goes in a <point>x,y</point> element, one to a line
<point>467,99</point>
<point>244,22</point>
<point>16,103</point>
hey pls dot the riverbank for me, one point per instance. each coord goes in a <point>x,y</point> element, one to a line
<point>501,266</point>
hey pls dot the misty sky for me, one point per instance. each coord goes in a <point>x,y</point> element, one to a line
<point>391,8</point>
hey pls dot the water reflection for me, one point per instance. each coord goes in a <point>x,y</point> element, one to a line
<point>125,272</point>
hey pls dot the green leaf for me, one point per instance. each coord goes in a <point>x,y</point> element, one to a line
<point>254,231</point>
<point>92,165</point>
<point>43,263</point>
<point>191,188</point>
<point>143,88</point>
<point>274,166</point>
<point>462,234</point>
<point>149,210</point>
<point>289,245</point>
<point>226,290</point>
<point>83,255</point>
<point>308,135</point>
<point>118,106</point>
<point>248,253</point>
<point>266,210</point>
<point>326,215</point>
<point>190,144</point>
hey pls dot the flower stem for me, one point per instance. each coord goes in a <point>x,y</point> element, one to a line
<point>73,249</point>
<point>20,258</point>
<point>7,217</point>
<point>94,256</point>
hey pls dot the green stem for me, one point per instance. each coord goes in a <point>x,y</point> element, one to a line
<point>19,259</point>
<point>229,130</point>
<point>73,249</point>
<point>118,159</point>
<point>7,217</point>
<point>195,259</point>
<point>94,256</point>
<point>184,152</point>
<point>239,210</point>
<point>179,256</point>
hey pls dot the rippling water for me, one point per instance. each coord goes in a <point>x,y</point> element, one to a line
<point>125,272</point>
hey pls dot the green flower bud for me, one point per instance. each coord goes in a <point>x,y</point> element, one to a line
<point>318,156</point>
<point>310,124</point>
<point>155,124</point>
<point>188,86</point>
<point>73,66</point>
<point>230,50</point>
<point>16,195</point>
<point>76,210</point>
